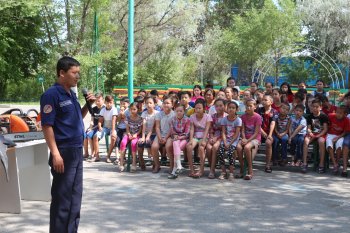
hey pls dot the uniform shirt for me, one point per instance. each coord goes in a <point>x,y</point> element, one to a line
<point>150,119</point>
<point>134,124</point>
<point>296,122</point>
<point>107,115</point>
<point>180,127</point>
<point>267,118</point>
<point>336,126</point>
<point>230,128</point>
<point>250,123</point>
<point>281,124</point>
<point>316,122</point>
<point>62,111</point>
<point>199,125</point>
<point>164,121</point>
<point>216,125</point>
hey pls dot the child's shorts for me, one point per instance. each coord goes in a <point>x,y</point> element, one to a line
<point>90,134</point>
<point>147,145</point>
<point>346,141</point>
<point>329,143</point>
<point>101,134</point>
<point>256,143</point>
<point>120,135</point>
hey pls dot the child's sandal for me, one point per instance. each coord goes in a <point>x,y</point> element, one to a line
<point>211,176</point>
<point>248,177</point>
<point>222,176</point>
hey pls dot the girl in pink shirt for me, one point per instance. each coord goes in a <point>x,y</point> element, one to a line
<point>251,137</point>
<point>197,93</point>
<point>179,132</point>
<point>200,125</point>
<point>215,135</point>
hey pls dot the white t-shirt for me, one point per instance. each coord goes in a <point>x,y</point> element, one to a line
<point>164,121</point>
<point>107,116</point>
<point>150,120</point>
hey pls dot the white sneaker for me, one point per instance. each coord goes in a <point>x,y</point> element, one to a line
<point>121,168</point>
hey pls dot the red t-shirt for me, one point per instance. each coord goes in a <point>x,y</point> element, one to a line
<point>275,107</point>
<point>336,126</point>
<point>332,109</point>
<point>290,98</point>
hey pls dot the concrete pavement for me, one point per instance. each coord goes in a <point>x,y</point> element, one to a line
<point>283,201</point>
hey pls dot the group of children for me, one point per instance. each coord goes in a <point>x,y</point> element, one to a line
<point>214,125</point>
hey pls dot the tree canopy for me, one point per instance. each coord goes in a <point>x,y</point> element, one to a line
<point>174,39</point>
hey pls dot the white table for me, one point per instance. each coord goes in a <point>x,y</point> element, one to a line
<point>29,173</point>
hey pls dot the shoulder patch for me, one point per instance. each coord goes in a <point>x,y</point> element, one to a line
<point>47,108</point>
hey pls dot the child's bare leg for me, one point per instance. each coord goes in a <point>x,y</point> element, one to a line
<point>248,154</point>
<point>122,157</point>
<point>331,155</point>
<point>170,153</point>
<point>189,149</point>
<point>201,153</point>
<point>155,155</point>
<point>269,143</point>
<point>307,141</point>
<point>240,157</point>
<point>345,158</point>
<point>208,153</point>
<point>322,150</point>
<point>338,153</point>
<point>96,147</point>
<point>214,152</point>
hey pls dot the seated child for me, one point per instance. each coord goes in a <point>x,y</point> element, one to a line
<point>200,125</point>
<point>121,127</point>
<point>108,117</point>
<point>230,132</point>
<point>133,131</point>
<point>297,132</point>
<point>339,125</point>
<point>162,121</point>
<point>92,130</point>
<point>268,124</point>
<point>280,135</point>
<point>317,127</point>
<point>215,135</point>
<point>179,132</point>
<point>148,130</point>
<point>251,137</point>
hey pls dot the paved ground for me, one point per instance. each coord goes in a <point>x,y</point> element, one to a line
<point>283,201</point>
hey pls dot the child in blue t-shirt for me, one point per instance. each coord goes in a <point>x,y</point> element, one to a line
<point>297,132</point>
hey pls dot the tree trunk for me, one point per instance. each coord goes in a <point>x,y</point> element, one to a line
<point>69,36</point>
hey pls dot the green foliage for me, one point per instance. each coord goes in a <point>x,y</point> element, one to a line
<point>299,69</point>
<point>260,31</point>
<point>21,50</point>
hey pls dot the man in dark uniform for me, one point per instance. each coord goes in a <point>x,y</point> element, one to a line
<point>63,127</point>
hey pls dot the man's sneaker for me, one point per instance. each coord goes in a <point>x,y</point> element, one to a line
<point>321,170</point>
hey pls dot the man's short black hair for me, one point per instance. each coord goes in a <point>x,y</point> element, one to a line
<point>65,63</point>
